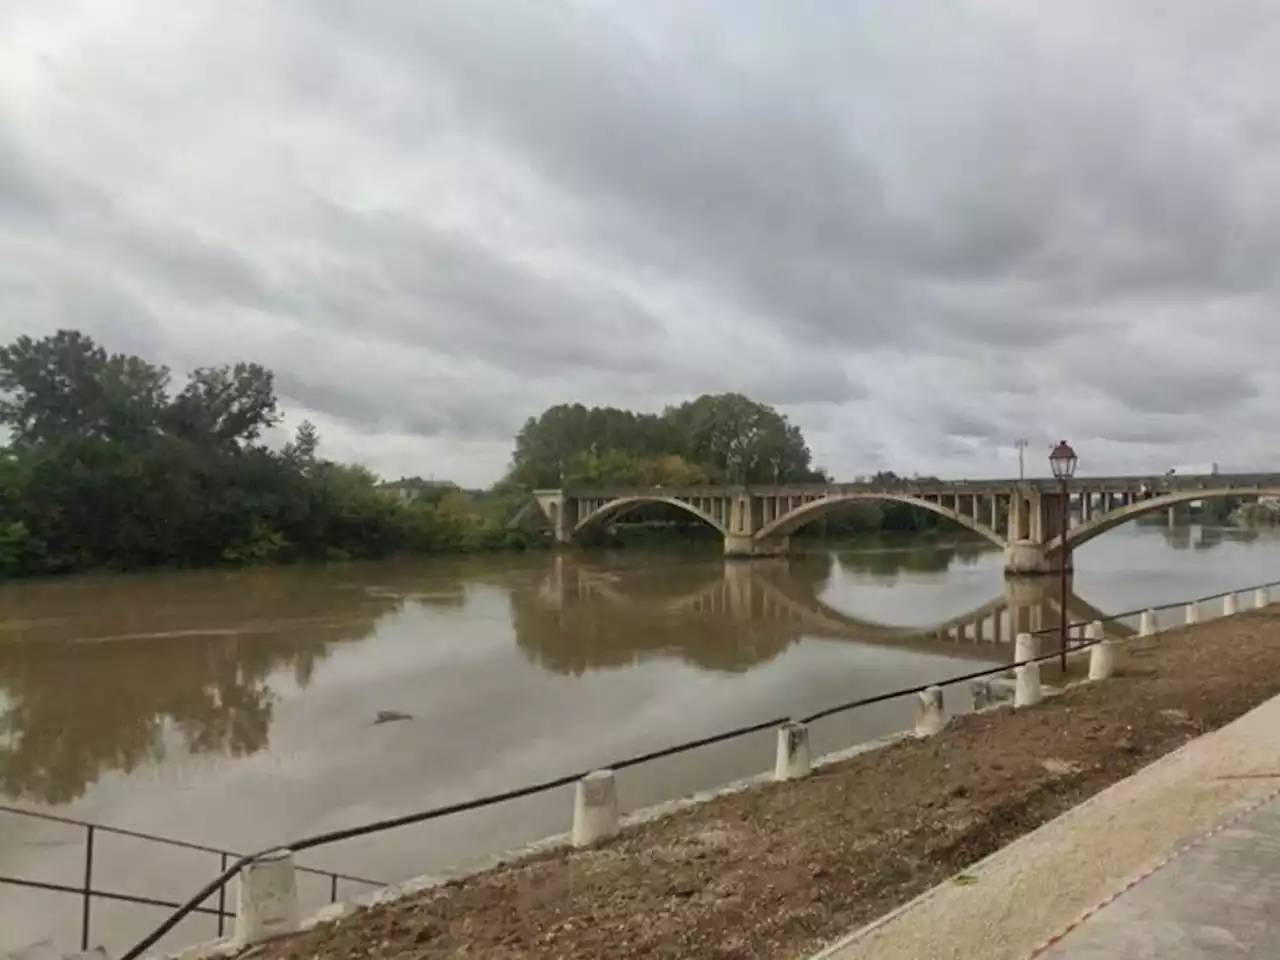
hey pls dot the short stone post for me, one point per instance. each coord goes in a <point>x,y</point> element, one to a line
<point>1102,655</point>
<point>1229,605</point>
<point>794,760</point>
<point>266,899</point>
<point>595,808</point>
<point>1026,689</point>
<point>1148,624</point>
<point>1193,613</point>
<point>1261,598</point>
<point>931,716</point>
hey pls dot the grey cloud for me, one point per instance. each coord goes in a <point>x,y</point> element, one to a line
<point>760,191</point>
<point>1156,430</point>
<point>924,229</point>
<point>198,269</point>
<point>21,195</point>
<point>1190,392</point>
<point>362,404</point>
<point>449,293</point>
<point>767,191</point>
<point>970,424</point>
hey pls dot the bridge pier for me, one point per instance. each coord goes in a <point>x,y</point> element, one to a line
<point>1026,558</point>
<point>746,546</point>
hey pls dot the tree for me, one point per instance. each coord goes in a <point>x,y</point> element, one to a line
<point>224,406</point>
<point>747,442</point>
<point>723,437</point>
<point>64,387</point>
<point>302,450</point>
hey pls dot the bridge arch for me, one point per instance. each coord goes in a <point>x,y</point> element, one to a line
<point>791,522</point>
<point>1090,529</point>
<point>617,508</point>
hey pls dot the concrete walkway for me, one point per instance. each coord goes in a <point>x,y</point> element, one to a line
<point>1181,860</point>
<point>1219,898</point>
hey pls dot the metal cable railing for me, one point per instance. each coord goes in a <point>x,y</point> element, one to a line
<point>229,869</point>
<point>88,892</point>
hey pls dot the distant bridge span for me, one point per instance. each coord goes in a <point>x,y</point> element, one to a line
<point>1023,517</point>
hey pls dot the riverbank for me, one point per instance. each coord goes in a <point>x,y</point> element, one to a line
<point>778,871</point>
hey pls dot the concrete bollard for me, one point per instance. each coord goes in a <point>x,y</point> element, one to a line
<point>1261,598</point>
<point>1148,625</point>
<point>266,899</point>
<point>1102,655</point>
<point>1026,689</point>
<point>595,808</point>
<point>794,760</point>
<point>1229,605</point>
<point>1193,613</point>
<point>931,715</point>
<point>983,693</point>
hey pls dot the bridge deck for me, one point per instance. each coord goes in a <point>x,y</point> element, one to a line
<point>1114,484</point>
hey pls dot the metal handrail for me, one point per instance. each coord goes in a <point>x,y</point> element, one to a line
<point>192,905</point>
<point>89,893</point>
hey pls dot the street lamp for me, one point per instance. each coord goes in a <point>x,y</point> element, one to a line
<point>1063,460</point>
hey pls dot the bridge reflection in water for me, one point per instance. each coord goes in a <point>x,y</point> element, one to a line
<point>588,617</point>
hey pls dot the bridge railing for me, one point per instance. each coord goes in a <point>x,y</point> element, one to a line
<point>1244,482</point>
<point>232,863</point>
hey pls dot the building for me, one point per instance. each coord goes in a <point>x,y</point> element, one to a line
<point>408,489</point>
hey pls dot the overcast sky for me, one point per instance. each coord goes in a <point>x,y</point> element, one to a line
<point>922,229</point>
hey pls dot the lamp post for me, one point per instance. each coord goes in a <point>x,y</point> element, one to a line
<point>1063,460</point>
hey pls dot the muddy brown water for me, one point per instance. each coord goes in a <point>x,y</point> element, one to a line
<point>240,709</point>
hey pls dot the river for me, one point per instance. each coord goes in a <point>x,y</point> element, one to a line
<point>237,709</point>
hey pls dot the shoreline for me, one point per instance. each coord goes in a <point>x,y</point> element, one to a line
<point>775,870</point>
<point>699,549</point>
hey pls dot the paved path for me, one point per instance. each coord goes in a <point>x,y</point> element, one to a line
<point>1218,898</point>
<point>1181,860</point>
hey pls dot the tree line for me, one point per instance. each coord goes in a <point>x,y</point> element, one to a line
<point>112,462</point>
<point>714,439</point>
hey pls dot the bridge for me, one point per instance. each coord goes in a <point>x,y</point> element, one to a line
<point>1022,517</point>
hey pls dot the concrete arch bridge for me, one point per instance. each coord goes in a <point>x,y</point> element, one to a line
<point>1022,517</point>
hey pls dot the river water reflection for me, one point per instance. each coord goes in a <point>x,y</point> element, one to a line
<point>237,709</point>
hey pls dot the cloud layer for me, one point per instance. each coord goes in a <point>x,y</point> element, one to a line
<point>923,228</point>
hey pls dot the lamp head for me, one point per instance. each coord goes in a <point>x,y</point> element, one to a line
<point>1063,460</point>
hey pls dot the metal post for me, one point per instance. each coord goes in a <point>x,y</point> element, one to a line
<point>333,888</point>
<point>222,897</point>
<point>88,887</point>
<point>1062,566</point>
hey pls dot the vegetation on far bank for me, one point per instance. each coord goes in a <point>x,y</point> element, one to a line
<point>112,463</point>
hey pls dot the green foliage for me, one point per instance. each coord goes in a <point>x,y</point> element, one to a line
<point>107,469</point>
<point>110,465</point>
<point>713,439</point>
